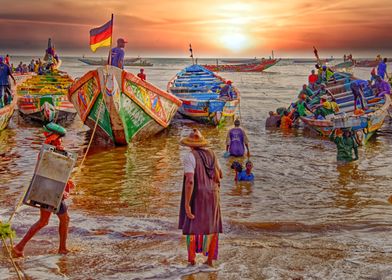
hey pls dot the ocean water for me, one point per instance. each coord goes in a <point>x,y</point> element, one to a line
<point>304,217</point>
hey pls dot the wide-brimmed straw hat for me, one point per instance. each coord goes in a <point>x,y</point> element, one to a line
<point>194,139</point>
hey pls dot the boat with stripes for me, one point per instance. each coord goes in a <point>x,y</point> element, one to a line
<point>258,66</point>
<point>199,90</point>
<point>364,125</point>
<point>6,113</point>
<point>40,91</point>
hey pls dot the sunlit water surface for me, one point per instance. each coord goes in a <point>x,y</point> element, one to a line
<point>304,216</point>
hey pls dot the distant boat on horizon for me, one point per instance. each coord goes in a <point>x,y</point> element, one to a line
<point>127,62</point>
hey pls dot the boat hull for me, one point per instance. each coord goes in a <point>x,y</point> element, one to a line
<point>214,112</point>
<point>198,88</point>
<point>6,113</point>
<point>369,124</point>
<point>125,108</point>
<point>41,89</point>
<point>252,67</point>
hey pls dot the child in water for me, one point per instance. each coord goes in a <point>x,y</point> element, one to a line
<point>243,175</point>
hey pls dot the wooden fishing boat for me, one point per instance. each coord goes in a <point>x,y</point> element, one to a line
<point>367,63</point>
<point>247,67</point>
<point>21,77</point>
<point>6,113</point>
<point>126,108</point>
<point>311,61</point>
<point>50,88</point>
<point>127,62</point>
<point>199,88</point>
<point>241,61</point>
<point>364,125</point>
<point>343,66</point>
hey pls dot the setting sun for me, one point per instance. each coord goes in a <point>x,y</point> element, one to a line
<point>234,41</point>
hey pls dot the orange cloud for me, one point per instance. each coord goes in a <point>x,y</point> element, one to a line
<point>215,28</point>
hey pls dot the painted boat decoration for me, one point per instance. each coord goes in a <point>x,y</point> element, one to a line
<point>21,77</point>
<point>241,61</point>
<point>247,67</point>
<point>364,125</point>
<point>127,62</point>
<point>199,88</point>
<point>35,93</point>
<point>6,113</point>
<point>127,109</point>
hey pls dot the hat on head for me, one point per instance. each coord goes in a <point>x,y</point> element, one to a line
<point>229,82</point>
<point>194,139</point>
<point>324,67</point>
<point>121,40</point>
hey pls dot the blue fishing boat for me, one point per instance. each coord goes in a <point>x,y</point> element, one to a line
<point>366,124</point>
<point>199,90</point>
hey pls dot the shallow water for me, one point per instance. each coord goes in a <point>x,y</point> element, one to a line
<point>304,216</point>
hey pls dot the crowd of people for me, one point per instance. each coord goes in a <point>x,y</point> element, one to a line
<point>316,100</point>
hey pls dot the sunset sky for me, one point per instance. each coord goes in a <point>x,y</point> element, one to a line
<point>215,28</point>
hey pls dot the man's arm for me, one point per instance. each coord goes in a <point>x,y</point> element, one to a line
<point>189,185</point>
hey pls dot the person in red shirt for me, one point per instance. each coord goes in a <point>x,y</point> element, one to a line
<point>52,138</point>
<point>312,79</point>
<point>141,75</point>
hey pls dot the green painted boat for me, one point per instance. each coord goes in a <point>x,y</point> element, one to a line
<point>127,109</point>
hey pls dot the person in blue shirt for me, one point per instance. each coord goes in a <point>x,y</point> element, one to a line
<point>5,87</point>
<point>117,54</point>
<point>246,175</point>
<point>382,68</point>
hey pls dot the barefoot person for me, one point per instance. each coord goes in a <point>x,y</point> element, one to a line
<point>52,138</point>
<point>200,216</point>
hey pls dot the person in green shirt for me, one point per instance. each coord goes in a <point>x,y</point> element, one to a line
<point>307,91</point>
<point>345,143</point>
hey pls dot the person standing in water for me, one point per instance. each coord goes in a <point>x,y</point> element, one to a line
<point>118,54</point>
<point>200,215</point>
<point>345,144</point>
<point>237,140</point>
<point>52,138</point>
<point>142,75</point>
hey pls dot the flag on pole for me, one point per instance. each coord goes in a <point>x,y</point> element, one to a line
<point>101,36</point>
<point>190,49</point>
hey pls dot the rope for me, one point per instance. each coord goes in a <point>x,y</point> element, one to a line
<point>92,135</point>
<point>11,258</point>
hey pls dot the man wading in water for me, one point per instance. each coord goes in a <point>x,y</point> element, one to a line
<point>345,144</point>
<point>200,216</point>
<point>236,141</point>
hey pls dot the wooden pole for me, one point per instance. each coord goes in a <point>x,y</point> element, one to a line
<point>111,42</point>
<point>11,258</point>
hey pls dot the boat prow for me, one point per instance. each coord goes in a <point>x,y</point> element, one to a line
<point>126,108</point>
<point>6,113</point>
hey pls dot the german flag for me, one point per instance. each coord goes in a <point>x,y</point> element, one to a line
<point>101,36</point>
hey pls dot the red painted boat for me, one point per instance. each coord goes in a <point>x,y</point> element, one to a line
<point>248,67</point>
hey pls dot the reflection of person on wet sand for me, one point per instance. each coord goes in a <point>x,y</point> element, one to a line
<point>200,217</point>
<point>54,139</point>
